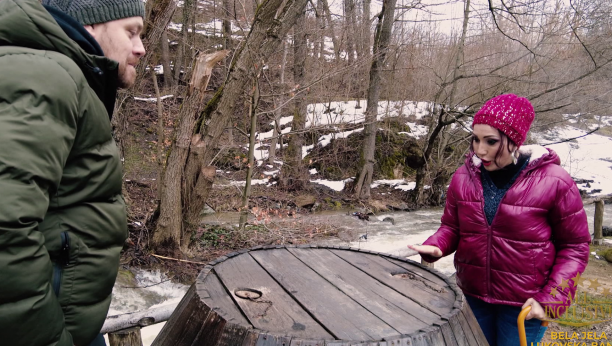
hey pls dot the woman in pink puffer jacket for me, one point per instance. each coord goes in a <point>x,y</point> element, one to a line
<point>515,218</point>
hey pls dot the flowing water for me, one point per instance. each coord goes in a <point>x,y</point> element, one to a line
<point>386,232</point>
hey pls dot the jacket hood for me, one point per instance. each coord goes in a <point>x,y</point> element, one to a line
<point>26,23</point>
<point>538,156</point>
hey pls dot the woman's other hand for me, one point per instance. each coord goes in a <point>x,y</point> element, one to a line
<point>537,311</point>
<point>427,250</point>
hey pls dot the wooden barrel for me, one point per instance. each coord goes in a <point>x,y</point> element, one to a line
<point>312,295</point>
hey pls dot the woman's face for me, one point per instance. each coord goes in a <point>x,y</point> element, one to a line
<point>486,143</point>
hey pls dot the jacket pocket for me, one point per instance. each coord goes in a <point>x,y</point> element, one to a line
<point>62,260</point>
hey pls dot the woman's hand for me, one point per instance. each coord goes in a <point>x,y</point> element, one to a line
<point>427,250</point>
<point>537,311</point>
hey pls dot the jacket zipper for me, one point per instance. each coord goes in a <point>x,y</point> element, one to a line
<point>490,231</point>
<point>490,238</point>
<point>476,177</point>
<point>62,261</point>
<point>489,250</point>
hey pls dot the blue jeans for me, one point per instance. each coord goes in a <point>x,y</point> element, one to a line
<point>498,323</point>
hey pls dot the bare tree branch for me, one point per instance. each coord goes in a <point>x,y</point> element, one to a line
<point>571,139</point>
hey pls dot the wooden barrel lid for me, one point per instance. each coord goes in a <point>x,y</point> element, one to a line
<point>310,295</point>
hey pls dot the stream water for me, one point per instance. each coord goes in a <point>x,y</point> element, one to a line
<point>386,232</point>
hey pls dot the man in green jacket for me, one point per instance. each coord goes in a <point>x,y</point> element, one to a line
<point>62,216</point>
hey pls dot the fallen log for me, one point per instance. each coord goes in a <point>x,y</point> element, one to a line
<point>138,318</point>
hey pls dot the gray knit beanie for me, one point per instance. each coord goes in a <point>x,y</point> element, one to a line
<point>89,12</point>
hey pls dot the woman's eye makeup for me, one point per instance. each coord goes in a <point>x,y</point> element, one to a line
<point>490,141</point>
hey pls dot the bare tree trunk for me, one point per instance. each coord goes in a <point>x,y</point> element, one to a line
<point>255,5</point>
<point>441,121</point>
<point>160,135</point>
<point>366,39</point>
<point>119,120</point>
<point>170,223</point>
<point>184,40</point>
<point>161,13</point>
<point>165,49</point>
<point>228,45</point>
<point>317,49</point>
<point>356,30</point>
<point>193,20</point>
<point>269,28</point>
<point>293,173</point>
<point>381,46</point>
<point>227,25</point>
<point>362,33</point>
<point>271,25</point>
<point>252,133</point>
<point>331,31</point>
<point>349,15</point>
<point>279,109</point>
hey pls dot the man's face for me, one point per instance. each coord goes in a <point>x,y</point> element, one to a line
<point>120,41</point>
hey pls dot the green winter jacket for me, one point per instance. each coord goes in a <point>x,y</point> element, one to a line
<point>62,216</point>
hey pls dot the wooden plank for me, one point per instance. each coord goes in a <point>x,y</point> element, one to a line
<point>458,331</point>
<point>215,296</point>
<point>425,274</point>
<point>302,342</point>
<point>400,312</point>
<point>447,333</point>
<point>466,329</point>
<point>339,313</point>
<point>337,343</point>
<point>433,336</point>
<point>273,340</point>
<point>233,334</point>
<point>250,339</point>
<point>276,311</point>
<point>430,280</point>
<point>178,318</point>
<point>440,303</point>
<point>474,326</point>
<point>211,330</point>
<point>402,340</point>
<point>418,339</point>
<point>368,343</point>
<point>184,325</point>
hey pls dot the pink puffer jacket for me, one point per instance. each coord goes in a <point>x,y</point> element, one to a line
<point>538,240</point>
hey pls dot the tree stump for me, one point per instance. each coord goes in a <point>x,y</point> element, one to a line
<point>311,296</point>
<point>125,337</point>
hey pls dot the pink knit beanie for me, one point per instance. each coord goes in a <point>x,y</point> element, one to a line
<point>508,113</point>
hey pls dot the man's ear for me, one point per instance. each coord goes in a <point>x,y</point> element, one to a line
<point>90,30</point>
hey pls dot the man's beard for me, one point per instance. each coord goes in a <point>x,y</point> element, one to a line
<point>127,77</point>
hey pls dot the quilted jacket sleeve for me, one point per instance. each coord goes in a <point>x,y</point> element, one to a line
<point>38,121</point>
<point>447,236</point>
<point>571,238</point>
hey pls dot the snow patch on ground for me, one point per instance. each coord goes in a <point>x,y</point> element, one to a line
<point>588,157</point>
